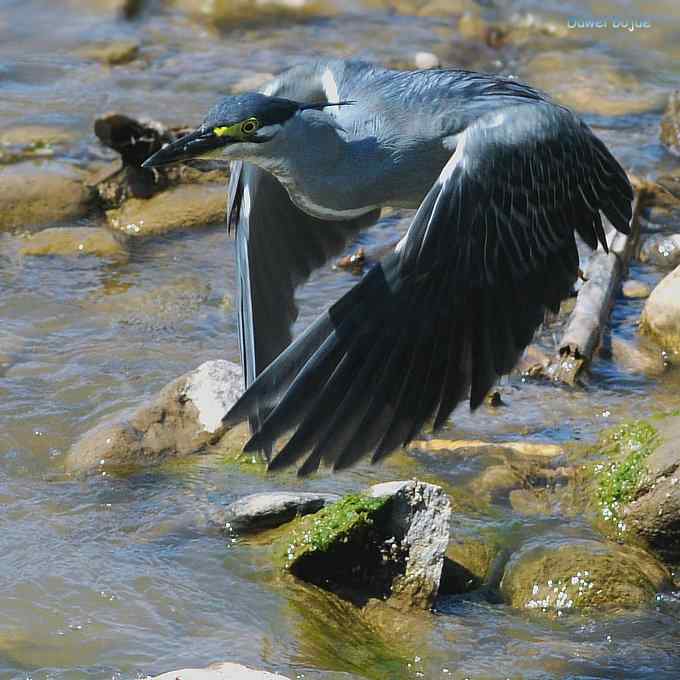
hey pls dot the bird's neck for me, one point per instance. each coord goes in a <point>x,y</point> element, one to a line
<point>327,173</point>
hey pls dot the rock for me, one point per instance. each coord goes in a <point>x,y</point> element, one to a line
<point>571,574</point>
<point>183,207</point>
<point>661,315</point>
<point>76,241</point>
<point>219,671</point>
<point>532,501</point>
<point>231,13</point>
<point>157,308</point>
<point>389,542</point>
<point>635,290</point>
<point>534,361</point>
<point>268,510</point>
<point>36,135</point>
<point>495,483</point>
<point>653,511</point>
<point>596,84</point>
<point>113,53</point>
<point>183,419</point>
<point>470,563</point>
<point>37,194</point>
<point>661,250</point>
<point>426,60</point>
<point>638,358</point>
<point>670,124</point>
<point>476,447</point>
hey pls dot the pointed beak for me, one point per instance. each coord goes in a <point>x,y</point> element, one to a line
<point>200,143</point>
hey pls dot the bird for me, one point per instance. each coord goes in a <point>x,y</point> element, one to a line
<point>501,178</point>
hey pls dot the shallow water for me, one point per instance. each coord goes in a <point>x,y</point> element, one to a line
<point>116,578</point>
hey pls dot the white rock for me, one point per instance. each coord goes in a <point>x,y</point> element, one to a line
<point>267,510</point>
<point>661,316</point>
<point>220,671</point>
<point>426,60</point>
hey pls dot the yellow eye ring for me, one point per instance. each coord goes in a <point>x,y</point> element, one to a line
<point>249,126</point>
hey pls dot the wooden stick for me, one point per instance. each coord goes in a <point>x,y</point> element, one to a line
<point>593,303</point>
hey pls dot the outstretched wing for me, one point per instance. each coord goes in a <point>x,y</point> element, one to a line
<point>277,247</point>
<point>489,250</point>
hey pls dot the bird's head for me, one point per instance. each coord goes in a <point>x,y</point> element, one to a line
<point>236,127</point>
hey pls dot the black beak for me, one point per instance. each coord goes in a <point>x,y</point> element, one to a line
<point>193,145</point>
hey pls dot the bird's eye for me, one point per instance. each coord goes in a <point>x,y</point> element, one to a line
<point>249,126</point>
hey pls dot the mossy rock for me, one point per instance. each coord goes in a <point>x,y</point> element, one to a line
<point>388,542</point>
<point>563,575</point>
<point>616,477</point>
<point>311,549</point>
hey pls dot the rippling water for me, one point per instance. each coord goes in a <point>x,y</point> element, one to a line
<point>116,578</point>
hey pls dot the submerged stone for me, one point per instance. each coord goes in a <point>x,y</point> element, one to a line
<point>635,289</point>
<point>661,250</point>
<point>268,510</point>
<point>580,574</point>
<point>37,194</point>
<point>386,543</point>
<point>183,419</point>
<point>75,241</point>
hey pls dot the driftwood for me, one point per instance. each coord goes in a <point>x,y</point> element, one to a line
<point>602,281</point>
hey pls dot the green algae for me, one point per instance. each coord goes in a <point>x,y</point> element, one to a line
<point>315,533</point>
<point>619,474</point>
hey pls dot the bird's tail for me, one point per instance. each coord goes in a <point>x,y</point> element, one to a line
<point>319,372</point>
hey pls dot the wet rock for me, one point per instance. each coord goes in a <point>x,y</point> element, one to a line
<point>638,357</point>
<point>220,671</point>
<point>560,575</point>
<point>76,241</point>
<point>495,483</point>
<point>469,564</point>
<point>532,501</point>
<point>661,315</point>
<point>476,447</point>
<point>183,419</point>
<point>653,511</point>
<point>596,84</point>
<point>267,510</point>
<point>387,543</point>
<point>230,13</point>
<point>534,361</point>
<point>670,124</point>
<point>661,250</point>
<point>635,290</point>
<point>32,141</point>
<point>37,194</point>
<point>518,29</point>
<point>113,54</point>
<point>184,207</point>
<point>426,60</point>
